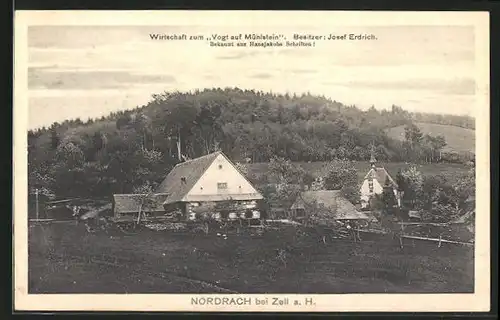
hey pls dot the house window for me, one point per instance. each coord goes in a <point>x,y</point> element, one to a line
<point>220,166</point>
<point>370,185</point>
<point>300,213</point>
<point>222,185</point>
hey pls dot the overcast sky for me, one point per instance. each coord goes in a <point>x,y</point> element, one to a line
<point>86,72</point>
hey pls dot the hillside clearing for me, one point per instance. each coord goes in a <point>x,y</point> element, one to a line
<point>458,139</point>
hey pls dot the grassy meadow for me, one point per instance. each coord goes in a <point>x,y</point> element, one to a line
<point>458,139</point>
<point>65,258</point>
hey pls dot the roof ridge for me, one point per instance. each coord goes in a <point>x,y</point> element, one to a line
<point>139,194</point>
<point>199,158</point>
<point>336,191</point>
<point>192,170</point>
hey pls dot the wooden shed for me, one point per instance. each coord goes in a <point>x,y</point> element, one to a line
<point>330,200</point>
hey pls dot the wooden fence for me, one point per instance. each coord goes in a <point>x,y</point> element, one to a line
<point>50,221</point>
<point>439,240</point>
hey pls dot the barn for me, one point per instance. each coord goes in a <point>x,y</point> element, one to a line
<point>128,205</point>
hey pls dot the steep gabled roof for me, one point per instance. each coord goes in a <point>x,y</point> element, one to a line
<point>184,176</point>
<point>380,174</point>
<point>130,203</point>
<point>191,171</point>
<point>334,202</point>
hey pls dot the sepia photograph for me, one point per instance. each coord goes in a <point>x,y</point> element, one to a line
<point>222,161</point>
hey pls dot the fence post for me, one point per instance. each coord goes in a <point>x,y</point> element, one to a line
<point>439,243</point>
<point>401,236</point>
<point>36,204</point>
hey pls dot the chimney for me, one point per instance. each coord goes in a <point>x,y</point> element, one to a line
<point>179,144</point>
<point>373,161</point>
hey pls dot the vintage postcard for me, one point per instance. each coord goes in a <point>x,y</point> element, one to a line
<point>251,161</point>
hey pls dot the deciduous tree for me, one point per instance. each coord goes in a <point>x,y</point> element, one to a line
<point>342,175</point>
<point>146,199</point>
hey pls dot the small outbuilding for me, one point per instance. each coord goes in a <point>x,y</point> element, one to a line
<point>331,201</point>
<point>129,204</point>
<point>414,216</point>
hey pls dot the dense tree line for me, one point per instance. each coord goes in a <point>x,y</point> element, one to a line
<point>132,148</point>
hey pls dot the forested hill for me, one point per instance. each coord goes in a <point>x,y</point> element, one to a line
<point>126,149</point>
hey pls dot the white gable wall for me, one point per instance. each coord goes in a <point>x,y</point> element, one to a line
<point>377,189</point>
<point>236,182</point>
<point>365,189</point>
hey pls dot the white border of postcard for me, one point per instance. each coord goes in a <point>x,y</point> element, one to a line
<point>478,301</point>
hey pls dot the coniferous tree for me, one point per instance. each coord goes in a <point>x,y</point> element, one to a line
<point>388,197</point>
<point>54,139</point>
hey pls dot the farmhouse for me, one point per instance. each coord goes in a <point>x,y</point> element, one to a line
<point>374,182</point>
<point>332,201</point>
<point>209,184</point>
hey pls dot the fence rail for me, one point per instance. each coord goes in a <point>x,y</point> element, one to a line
<point>48,221</point>
<point>438,240</point>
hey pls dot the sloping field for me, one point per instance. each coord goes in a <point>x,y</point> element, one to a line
<point>458,139</point>
<point>66,259</point>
